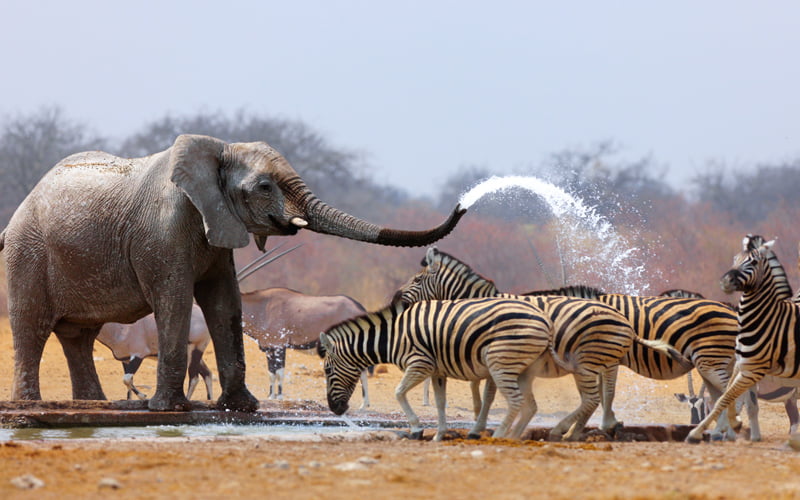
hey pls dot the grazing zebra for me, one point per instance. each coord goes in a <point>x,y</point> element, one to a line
<point>467,339</point>
<point>768,325</point>
<point>592,336</point>
<point>703,331</point>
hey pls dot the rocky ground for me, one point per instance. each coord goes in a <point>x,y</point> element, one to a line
<point>353,463</point>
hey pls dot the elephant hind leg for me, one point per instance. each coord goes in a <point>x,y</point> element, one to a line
<point>79,349</point>
<point>29,345</point>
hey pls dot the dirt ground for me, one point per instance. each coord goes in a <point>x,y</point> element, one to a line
<point>356,464</point>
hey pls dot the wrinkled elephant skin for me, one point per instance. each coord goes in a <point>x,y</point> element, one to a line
<point>107,239</point>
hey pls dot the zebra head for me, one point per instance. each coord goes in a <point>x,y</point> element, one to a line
<point>443,277</point>
<point>340,376</point>
<point>750,266</point>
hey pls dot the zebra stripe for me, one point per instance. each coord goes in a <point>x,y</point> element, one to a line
<point>769,330</point>
<point>589,338</point>
<point>704,331</point>
<point>468,340</point>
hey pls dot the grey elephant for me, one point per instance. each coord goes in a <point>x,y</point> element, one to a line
<point>105,239</point>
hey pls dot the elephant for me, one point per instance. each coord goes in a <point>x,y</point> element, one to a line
<point>107,239</point>
<point>278,318</point>
<point>131,344</point>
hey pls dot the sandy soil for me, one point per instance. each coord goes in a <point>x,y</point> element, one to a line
<point>351,464</point>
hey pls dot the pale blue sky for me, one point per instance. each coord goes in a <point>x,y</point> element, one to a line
<point>424,87</point>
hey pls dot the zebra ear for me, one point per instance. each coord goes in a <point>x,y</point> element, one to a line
<point>768,245</point>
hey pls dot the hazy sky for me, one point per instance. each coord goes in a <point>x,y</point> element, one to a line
<point>424,87</point>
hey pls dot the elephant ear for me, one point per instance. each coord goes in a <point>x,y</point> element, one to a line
<point>195,161</point>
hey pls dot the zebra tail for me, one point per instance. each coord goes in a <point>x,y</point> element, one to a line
<point>570,367</point>
<point>669,350</point>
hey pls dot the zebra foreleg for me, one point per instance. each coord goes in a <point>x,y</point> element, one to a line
<point>411,378</point>
<point>364,391</point>
<point>751,404</point>
<point>489,391</point>
<point>791,412</point>
<point>739,384</point>
<point>440,396</point>
<point>716,382</point>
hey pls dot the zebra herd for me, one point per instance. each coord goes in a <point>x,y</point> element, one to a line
<point>448,321</point>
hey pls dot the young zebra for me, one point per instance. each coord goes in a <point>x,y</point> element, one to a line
<point>703,331</point>
<point>591,336</point>
<point>768,325</point>
<point>467,339</point>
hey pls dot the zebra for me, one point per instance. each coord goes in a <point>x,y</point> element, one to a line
<point>769,389</point>
<point>591,335</point>
<point>466,339</point>
<point>703,331</point>
<point>768,324</point>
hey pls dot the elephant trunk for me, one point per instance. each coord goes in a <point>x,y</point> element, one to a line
<point>322,218</point>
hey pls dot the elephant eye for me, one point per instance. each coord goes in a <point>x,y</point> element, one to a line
<point>265,186</point>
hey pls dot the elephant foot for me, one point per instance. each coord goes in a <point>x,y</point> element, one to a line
<point>89,394</point>
<point>472,435</point>
<point>157,403</point>
<point>241,400</point>
<point>417,436</point>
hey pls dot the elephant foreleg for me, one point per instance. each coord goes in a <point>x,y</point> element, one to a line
<point>172,319</point>
<point>221,304</point>
<point>78,348</point>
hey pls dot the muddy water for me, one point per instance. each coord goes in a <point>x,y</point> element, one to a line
<point>169,431</point>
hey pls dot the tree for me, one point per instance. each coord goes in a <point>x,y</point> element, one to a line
<point>30,145</point>
<point>750,194</point>
<point>336,174</point>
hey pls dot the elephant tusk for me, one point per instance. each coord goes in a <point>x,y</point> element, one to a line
<point>299,221</point>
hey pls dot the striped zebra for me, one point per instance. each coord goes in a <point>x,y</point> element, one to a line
<point>768,325</point>
<point>770,389</point>
<point>592,337</point>
<point>467,339</point>
<point>703,331</point>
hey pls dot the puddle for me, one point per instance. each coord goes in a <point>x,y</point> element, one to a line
<point>168,431</point>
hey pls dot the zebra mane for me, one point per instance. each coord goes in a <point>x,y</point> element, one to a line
<point>783,290</point>
<point>462,268</point>
<point>581,291</point>
<point>781,282</point>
